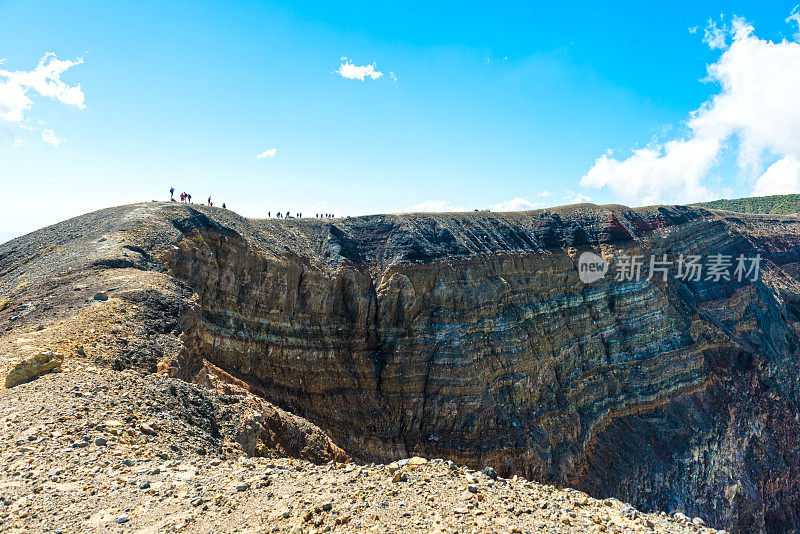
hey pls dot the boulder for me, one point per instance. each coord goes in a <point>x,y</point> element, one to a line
<point>34,367</point>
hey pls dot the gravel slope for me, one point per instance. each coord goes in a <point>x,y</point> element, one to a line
<point>96,450</point>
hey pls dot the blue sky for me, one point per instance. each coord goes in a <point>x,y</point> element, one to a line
<point>479,105</point>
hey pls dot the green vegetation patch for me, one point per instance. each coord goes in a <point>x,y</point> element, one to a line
<point>775,204</point>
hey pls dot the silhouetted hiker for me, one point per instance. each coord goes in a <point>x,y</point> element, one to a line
<point>209,202</point>
<point>287,215</point>
<point>223,205</point>
<point>279,215</point>
<point>268,214</point>
<point>188,198</point>
<point>172,193</point>
<point>183,197</point>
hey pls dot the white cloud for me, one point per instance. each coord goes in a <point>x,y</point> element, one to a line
<point>673,171</point>
<point>269,153</point>
<point>795,17</point>
<point>49,137</point>
<point>576,198</point>
<point>516,204</point>
<point>755,113</point>
<point>432,206</point>
<point>354,72</point>
<point>545,193</point>
<point>716,37</point>
<point>780,178</point>
<point>45,79</point>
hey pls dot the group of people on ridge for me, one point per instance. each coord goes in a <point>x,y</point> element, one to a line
<point>287,215</point>
<point>186,198</point>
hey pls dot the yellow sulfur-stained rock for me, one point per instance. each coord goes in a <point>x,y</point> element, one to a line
<point>34,367</point>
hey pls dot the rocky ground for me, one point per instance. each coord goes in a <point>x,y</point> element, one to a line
<point>90,449</point>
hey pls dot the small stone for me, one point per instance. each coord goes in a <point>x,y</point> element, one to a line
<point>215,462</point>
<point>100,441</point>
<point>197,501</point>
<point>327,506</point>
<point>144,484</point>
<point>698,521</point>
<point>472,488</point>
<point>393,467</point>
<point>79,445</point>
<point>489,472</point>
<point>147,429</point>
<point>127,462</point>
<point>101,296</point>
<point>243,487</point>
<point>400,476</point>
<point>122,519</point>
<point>629,511</point>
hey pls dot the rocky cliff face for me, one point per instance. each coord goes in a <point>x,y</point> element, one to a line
<point>470,337</point>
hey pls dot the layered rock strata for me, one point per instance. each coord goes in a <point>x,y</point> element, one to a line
<point>471,337</point>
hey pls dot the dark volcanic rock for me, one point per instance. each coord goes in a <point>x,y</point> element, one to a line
<point>470,337</point>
